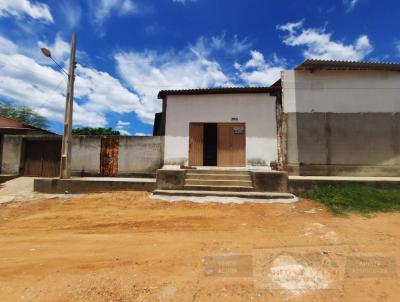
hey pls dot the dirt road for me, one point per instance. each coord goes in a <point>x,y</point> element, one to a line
<point>126,247</point>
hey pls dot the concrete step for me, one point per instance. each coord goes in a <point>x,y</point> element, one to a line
<point>216,171</point>
<point>218,182</point>
<point>190,175</point>
<point>218,188</point>
<point>248,195</point>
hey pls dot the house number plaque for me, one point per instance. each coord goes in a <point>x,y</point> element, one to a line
<point>238,130</point>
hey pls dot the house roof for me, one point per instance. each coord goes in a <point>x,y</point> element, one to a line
<point>346,65</point>
<point>226,90</point>
<point>10,123</point>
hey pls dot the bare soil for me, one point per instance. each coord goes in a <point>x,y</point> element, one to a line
<point>126,247</point>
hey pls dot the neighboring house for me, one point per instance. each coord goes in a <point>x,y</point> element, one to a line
<point>11,126</point>
<point>20,141</point>
<point>322,118</point>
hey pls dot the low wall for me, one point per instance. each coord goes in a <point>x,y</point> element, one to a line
<point>86,155</point>
<point>271,181</point>
<point>85,185</point>
<point>137,155</point>
<point>298,185</point>
<point>170,179</point>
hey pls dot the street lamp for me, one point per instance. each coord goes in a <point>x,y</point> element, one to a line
<point>46,52</point>
<point>65,166</point>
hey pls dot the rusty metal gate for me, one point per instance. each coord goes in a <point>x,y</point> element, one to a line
<point>109,156</point>
<point>42,158</point>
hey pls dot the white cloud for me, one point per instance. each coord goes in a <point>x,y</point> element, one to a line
<point>396,45</point>
<point>7,46</point>
<point>122,124</point>
<point>228,46</point>
<point>72,13</point>
<point>27,82</point>
<point>258,72</point>
<point>350,4</point>
<point>103,9</point>
<point>142,134</point>
<point>121,127</point>
<point>32,81</point>
<point>318,44</point>
<point>148,72</point>
<point>60,49</point>
<point>17,8</point>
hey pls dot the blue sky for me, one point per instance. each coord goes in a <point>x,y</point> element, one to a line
<point>128,50</point>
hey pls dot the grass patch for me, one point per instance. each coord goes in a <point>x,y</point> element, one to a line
<point>356,198</point>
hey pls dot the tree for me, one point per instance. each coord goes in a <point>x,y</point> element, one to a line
<point>94,131</point>
<point>23,114</point>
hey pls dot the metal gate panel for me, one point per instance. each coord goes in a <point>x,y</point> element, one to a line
<point>42,158</point>
<point>109,156</point>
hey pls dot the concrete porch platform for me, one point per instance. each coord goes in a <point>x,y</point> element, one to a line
<point>222,180</point>
<point>77,185</point>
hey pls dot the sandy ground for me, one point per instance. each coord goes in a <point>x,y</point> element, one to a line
<point>21,189</point>
<point>127,247</point>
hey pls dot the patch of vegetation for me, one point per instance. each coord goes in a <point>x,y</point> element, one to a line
<point>94,131</point>
<point>23,114</point>
<point>356,198</point>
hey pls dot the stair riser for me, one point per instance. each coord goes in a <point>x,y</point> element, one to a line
<point>215,188</point>
<point>223,194</point>
<point>218,177</point>
<point>204,182</point>
<point>231,172</point>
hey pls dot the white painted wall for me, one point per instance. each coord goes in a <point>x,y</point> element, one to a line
<point>256,110</point>
<point>341,91</point>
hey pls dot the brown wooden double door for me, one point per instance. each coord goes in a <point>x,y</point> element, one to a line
<point>217,144</point>
<point>42,158</point>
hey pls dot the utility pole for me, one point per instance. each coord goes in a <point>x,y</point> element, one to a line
<point>65,168</point>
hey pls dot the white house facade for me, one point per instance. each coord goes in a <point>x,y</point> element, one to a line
<point>231,127</point>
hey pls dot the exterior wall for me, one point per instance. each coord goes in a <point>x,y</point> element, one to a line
<point>11,155</point>
<point>140,154</point>
<point>342,122</point>
<point>86,155</point>
<point>137,155</point>
<point>256,110</point>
